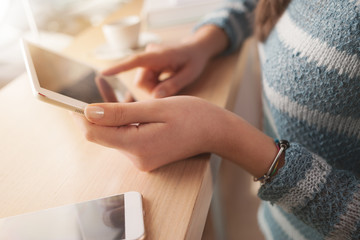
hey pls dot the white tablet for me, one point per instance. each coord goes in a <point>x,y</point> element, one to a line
<point>65,82</point>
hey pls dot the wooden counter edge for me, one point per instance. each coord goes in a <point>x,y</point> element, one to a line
<point>203,200</point>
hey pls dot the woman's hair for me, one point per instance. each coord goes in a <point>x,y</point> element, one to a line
<point>267,13</point>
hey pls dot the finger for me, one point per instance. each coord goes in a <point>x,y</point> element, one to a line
<point>120,114</point>
<point>146,59</point>
<point>103,135</point>
<point>146,79</point>
<point>106,91</point>
<point>174,84</point>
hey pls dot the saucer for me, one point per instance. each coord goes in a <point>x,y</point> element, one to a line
<point>105,52</point>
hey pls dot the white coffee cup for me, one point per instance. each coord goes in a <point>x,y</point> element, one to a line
<point>123,33</point>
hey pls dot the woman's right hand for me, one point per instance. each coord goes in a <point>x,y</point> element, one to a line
<point>166,69</point>
<point>180,65</point>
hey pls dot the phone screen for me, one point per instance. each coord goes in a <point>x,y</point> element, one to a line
<point>93,220</point>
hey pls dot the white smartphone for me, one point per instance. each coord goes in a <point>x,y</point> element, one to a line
<point>111,218</point>
<point>67,83</point>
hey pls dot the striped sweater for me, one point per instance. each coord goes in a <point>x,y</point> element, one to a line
<point>311,96</point>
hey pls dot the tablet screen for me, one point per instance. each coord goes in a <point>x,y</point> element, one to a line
<point>97,219</point>
<point>64,75</point>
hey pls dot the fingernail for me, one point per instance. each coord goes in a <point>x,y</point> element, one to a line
<point>160,94</point>
<point>94,112</point>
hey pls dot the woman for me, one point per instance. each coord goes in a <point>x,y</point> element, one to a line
<point>311,70</point>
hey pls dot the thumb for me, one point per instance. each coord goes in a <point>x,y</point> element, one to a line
<point>119,114</point>
<point>174,84</point>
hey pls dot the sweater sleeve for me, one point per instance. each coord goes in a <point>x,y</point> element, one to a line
<point>236,18</point>
<point>323,197</point>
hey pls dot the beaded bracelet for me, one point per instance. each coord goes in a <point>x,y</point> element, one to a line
<point>281,145</point>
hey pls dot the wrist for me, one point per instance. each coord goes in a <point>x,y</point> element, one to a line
<point>277,163</point>
<point>209,40</point>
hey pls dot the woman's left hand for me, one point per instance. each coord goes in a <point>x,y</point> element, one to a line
<point>156,132</point>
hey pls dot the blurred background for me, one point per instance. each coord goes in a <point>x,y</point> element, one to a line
<point>52,22</point>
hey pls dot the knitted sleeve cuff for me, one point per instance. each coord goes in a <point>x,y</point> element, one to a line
<point>323,197</point>
<point>296,183</point>
<point>235,18</point>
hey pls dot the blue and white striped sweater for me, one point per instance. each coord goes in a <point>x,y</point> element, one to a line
<point>311,93</point>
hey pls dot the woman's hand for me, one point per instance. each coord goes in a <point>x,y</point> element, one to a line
<point>156,132</point>
<point>165,70</point>
<point>179,65</point>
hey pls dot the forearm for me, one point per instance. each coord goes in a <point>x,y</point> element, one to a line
<point>210,40</point>
<point>245,145</point>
